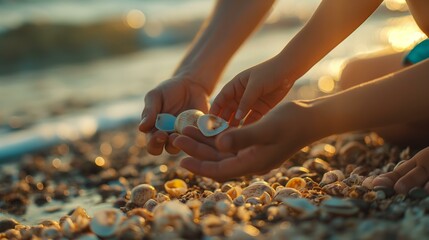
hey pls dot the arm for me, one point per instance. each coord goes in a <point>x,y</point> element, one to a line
<point>260,88</point>
<point>220,36</point>
<point>195,78</point>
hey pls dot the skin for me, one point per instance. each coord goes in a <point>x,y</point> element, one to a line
<point>265,144</point>
<point>197,75</point>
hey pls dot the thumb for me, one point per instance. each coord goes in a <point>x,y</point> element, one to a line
<point>153,103</point>
<point>249,98</point>
<point>237,139</point>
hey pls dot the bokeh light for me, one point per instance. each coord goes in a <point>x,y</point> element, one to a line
<point>136,19</point>
<point>326,84</point>
<point>99,161</point>
<point>403,34</point>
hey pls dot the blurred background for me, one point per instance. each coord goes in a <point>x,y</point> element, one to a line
<point>70,68</point>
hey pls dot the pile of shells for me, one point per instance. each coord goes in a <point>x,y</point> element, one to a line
<point>324,191</point>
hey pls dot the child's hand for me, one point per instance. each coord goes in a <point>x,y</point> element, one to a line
<point>253,149</point>
<point>172,96</point>
<point>257,89</point>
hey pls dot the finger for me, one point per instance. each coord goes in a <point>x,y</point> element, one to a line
<point>252,117</point>
<point>153,104</point>
<point>230,93</point>
<point>389,179</point>
<point>196,149</point>
<point>169,147</point>
<point>249,98</point>
<point>196,134</point>
<point>417,177</point>
<point>250,162</point>
<point>236,139</point>
<point>156,142</point>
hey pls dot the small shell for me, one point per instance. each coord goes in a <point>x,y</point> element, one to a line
<point>218,196</point>
<point>187,118</point>
<point>211,125</point>
<point>296,171</point>
<point>106,222</point>
<point>335,188</point>
<point>223,207</point>
<point>332,176</point>
<point>160,197</point>
<point>301,205</point>
<point>253,200</point>
<point>213,225</point>
<point>339,206</point>
<point>287,192</point>
<point>256,189</point>
<point>317,164</point>
<point>297,183</point>
<point>141,193</point>
<point>239,201</point>
<point>368,182</point>
<point>150,204</point>
<point>51,233</point>
<point>176,187</point>
<point>234,192</point>
<point>173,214</point>
<point>68,227</point>
<point>165,122</point>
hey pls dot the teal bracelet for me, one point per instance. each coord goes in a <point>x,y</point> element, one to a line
<point>419,53</point>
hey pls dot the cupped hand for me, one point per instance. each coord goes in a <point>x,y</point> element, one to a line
<point>253,149</point>
<point>252,92</point>
<point>172,96</point>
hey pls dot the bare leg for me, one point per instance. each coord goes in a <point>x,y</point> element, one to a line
<point>414,172</point>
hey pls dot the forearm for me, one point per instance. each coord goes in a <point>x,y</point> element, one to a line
<point>333,21</point>
<point>399,98</point>
<point>220,36</point>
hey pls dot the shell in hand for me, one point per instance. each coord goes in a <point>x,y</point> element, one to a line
<point>209,124</point>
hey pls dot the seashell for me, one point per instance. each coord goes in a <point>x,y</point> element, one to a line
<point>296,171</point>
<point>173,214</point>
<point>322,150</point>
<point>160,197</point>
<point>335,188</point>
<point>176,187</point>
<point>256,189</point>
<point>244,232</point>
<point>11,234</point>
<point>79,212</point>
<point>150,204</point>
<point>68,227</point>
<point>213,225</point>
<point>50,223</point>
<point>265,198</point>
<point>218,196</point>
<point>253,200</point>
<point>51,233</point>
<point>302,205</point>
<point>287,192</point>
<point>239,201</point>
<point>194,205</point>
<point>187,118</point>
<point>234,192</point>
<point>87,236</point>
<point>339,206</point>
<point>223,207</point>
<point>317,164</point>
<point>165,122</point>
<point>297,183</point>
<point>331,176</point>
<point>226,187</point>
<point>368,182</point>
<point>141,193</point>
<point>6,224</point>
<point>211,125</point>
<point>106,222</point>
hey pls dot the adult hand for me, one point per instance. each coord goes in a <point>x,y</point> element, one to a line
<point>172,96</point>
<point>253,149</point>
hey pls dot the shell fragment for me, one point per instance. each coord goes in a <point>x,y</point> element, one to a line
<point>211,125</point>
<point>165,122</point>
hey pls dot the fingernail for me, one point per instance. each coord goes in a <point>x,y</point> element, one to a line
<point>383,181</point>
<point>144,118</point>
<point>239,115</point>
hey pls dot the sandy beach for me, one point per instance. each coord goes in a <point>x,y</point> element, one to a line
<point>74,166</point>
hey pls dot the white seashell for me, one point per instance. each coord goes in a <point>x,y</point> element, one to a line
<point>332,176</point>
<point>211,125</point>
<point>287,192</point>
<point>256,189</point>
<point>165,122</point>
<point>187,118</point>
<point>140,194</point>
<point>173,214</point>
<point>106,222</point>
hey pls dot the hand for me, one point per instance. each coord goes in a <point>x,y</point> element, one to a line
<point>172,96</point>
<point>253,149</point>
<point>412,173</point>
<point>257,89</point>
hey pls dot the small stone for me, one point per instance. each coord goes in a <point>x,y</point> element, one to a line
<point>388,191</point>
<point>7,224</point>
<point>417,193</point>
